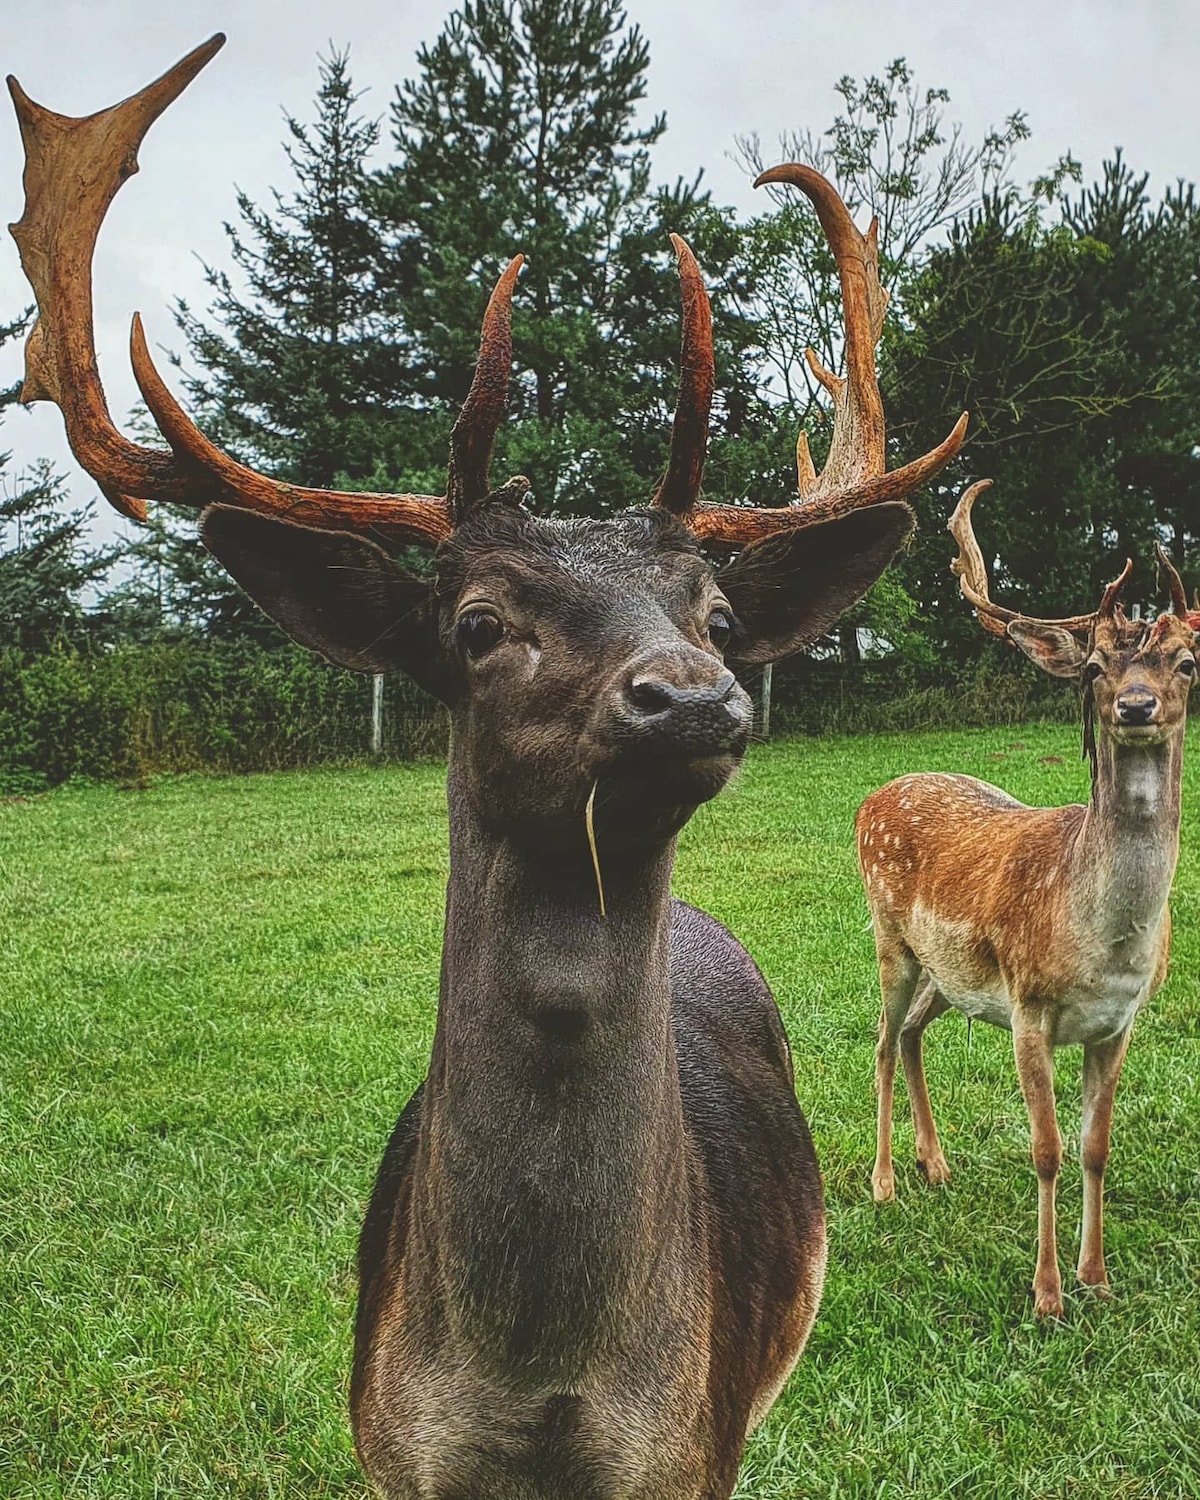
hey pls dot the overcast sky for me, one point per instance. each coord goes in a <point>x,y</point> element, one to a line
<point>1090,76</point>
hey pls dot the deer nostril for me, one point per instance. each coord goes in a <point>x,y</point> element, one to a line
<point>652,694</point>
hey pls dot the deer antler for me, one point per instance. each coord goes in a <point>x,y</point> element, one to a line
<point>697,376</point>
<point>969,568</point>
<point>73,169</point>
<point>855,473</point>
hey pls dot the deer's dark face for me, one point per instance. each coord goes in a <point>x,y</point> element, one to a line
<point>588,653</point>
<point>572,654</point>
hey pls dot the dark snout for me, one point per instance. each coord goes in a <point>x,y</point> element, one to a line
<point>1137,705</point>
<point>680,702</point>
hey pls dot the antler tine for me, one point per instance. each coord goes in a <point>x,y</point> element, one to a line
<point>971,572</point>
<point>858,449</point>
<point>689,438</point>
<point>73,169</point>
<point>1179,602</point>
<point>969,567</point>
<point>483,410</point>
<point>210,476</point>
<point>1110,603</point>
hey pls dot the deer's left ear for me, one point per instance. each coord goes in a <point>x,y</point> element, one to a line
<point>791,588</point>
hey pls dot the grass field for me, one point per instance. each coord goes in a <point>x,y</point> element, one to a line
<point>215,995</point>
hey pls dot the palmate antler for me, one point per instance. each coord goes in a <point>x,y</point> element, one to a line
<point>855,473</point>
<point>73,170</point>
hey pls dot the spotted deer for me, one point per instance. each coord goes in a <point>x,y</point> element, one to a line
<point>596,1242</point>
<point>1051,922</point>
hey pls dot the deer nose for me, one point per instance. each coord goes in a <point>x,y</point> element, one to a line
<point>1136,705</point>
<point>683,703</point>
<point>655,695</point>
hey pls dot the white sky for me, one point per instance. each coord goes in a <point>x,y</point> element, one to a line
<point>1090,76</point>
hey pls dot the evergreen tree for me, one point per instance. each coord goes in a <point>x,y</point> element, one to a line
<point>46,561</point>
<point>46,564</point>
<point>521,132</point>
<point>302,376</point>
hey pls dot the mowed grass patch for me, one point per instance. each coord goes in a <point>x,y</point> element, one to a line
<point>215,996</point>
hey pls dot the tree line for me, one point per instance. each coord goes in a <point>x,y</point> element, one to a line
<point>339,338</point>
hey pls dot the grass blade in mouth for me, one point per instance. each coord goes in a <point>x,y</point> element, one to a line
<point>591,833</point>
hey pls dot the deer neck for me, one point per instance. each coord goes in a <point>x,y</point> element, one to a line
<point>553,1158</point>
<point>1130,832</point>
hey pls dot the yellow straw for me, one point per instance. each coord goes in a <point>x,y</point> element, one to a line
<point>591,833</point>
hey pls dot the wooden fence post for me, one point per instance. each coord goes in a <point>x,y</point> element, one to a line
<point>377,714</point>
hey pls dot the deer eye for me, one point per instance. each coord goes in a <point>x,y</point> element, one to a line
<point>720,628</point>
<point>478,631</point>
<point>1093,670</point>
<point>1188,666</point>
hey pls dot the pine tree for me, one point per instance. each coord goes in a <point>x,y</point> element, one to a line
<point>47,563</point>
<point>521,132</point>
<point>46,560</point>
<point>302,376</point>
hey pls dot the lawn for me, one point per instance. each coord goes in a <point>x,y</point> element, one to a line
<point>216,994</point>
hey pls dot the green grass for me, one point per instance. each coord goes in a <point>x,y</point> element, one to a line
<point>216,994</point>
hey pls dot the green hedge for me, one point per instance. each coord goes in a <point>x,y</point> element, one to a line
<point>812,696</point>
<point>227,706</point>
<point>214,705</point>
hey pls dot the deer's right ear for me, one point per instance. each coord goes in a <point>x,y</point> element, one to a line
<point>794,586</point>
<point>1053,649</point>
<point>332,591</point>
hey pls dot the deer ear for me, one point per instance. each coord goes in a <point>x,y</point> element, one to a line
<point>1054,649</point>
<point>332,591</point>
<point>791,588</point>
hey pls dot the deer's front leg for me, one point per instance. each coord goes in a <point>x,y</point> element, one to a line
<point>1034,1052</point>
<point>898,974</point>
<point>1102,1063</point>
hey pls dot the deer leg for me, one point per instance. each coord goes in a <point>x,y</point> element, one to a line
<point>1102,1063</point>
<point>929,1004</point>
<point>898,974</point>
<point>1034,1050</point>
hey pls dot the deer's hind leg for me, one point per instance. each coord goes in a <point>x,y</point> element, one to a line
<point>898,975</point>
<point>929,1004</point>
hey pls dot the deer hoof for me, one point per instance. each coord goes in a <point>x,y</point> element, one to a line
<point>1095,1280</point>
<point>1048,1304</point>
<point>883,1186</point>
<point>936,1169</point>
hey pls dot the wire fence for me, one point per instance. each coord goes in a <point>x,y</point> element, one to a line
<point>235,706</point>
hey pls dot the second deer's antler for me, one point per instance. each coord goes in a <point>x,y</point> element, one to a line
<point>969,568</point>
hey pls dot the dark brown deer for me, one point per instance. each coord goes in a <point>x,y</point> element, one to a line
<point>596,1243</point>
<point>1050,921</point>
